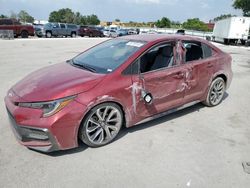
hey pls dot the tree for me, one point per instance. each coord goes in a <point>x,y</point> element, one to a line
<point>92,20</point>
<point>195,24</point>
<point>223,16</point>
<point>25,17</point>
<point>117,20</point>
<point>64,15</point>
<point>77,18</point>
<point>244,5</point>
<point>164,22</point>
<point>54,17</point>
<point>3,16</point>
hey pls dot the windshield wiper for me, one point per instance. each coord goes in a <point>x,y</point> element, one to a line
<point>91,69</point>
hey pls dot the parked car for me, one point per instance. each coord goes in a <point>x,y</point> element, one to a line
<point>89,31</point>
<point>18,29</point>
<point>38,30</point>
<point>122,32</point>
<point>110,33</point>
<point>120,82</point>
<point>59,29</point>
<point>180,31</point>
<point>106,32</point>
<point>132,32</point>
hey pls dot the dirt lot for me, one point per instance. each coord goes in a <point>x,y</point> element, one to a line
<point>197,147</point>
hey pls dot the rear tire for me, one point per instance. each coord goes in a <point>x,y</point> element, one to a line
<point>73,34</point>
<point>48,34</point>
<point>101,125</point>
<point>24,34</point>
<point>215,92</point>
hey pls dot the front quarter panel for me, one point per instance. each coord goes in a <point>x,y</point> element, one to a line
<point>114,88</point>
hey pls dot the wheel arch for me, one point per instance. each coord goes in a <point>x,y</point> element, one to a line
<point>92,105</point>
<point>223,76</point>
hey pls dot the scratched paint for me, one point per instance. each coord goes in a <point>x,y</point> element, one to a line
<point>136,88</point>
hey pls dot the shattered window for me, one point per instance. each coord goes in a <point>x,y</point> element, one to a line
<point>193,51</point>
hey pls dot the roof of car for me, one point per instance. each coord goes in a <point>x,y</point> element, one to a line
<point>154,37</point>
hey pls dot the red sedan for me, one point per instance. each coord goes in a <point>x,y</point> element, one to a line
<point>120,82</point>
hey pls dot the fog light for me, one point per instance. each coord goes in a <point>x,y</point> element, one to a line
<point>36,134</point>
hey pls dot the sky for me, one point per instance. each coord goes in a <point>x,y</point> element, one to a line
<point>125,10</point>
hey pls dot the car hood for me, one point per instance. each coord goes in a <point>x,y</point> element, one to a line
<point>54,82</point>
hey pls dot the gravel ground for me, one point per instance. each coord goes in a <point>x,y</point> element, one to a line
<point>196,147</point>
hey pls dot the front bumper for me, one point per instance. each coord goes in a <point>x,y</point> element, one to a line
<point>35,138</point>
<point>46,134</point>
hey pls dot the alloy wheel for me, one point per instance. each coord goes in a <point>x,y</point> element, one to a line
<point>217,92</point>
<point>102,125</point>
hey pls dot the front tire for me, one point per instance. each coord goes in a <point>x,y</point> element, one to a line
<point>24,34</point>
<point>215,92</point>
<point>101,125</point>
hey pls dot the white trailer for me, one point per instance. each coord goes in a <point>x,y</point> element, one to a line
<point>231,30</point>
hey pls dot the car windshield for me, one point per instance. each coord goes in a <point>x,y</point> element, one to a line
<point>107,56</point>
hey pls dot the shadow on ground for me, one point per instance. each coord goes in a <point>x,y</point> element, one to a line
<point>125,131</point>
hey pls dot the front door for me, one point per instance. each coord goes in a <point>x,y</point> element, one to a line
<point>161,75</point>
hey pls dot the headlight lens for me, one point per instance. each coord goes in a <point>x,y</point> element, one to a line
<point>49,108</point>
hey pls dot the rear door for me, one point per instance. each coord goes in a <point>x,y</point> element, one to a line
<point>199,64</point>
<point>63,30</point>
<point>165,83</point>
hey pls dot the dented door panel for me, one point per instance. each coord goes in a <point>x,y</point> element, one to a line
<point>166,87</point>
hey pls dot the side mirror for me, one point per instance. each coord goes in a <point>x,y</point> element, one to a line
<point>147,97</point>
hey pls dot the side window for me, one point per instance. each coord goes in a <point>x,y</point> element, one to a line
<point>62,26</point>
<point>5,22</point>
<point>56,25</point>
<point>133,68</point>
<point>161,56</point>
<point>207,51</point>
<point>193,51</point>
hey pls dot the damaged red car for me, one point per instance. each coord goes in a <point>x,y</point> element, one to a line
<point>120,82</point>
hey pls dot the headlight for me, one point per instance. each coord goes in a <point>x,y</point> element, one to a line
<point>49,108</point>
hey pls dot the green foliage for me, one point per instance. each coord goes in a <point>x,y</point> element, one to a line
<point>3,16</point>
<point>66,15</point>
<point>176,24</point>
<point>163,23</point>
<point>117,20</point>
<point>244,5</point>
<point>195,24</point>
<point>222,17</point>
<point>25,17</point>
